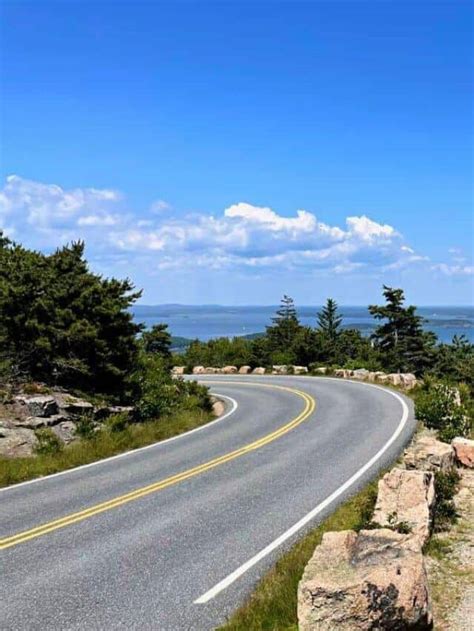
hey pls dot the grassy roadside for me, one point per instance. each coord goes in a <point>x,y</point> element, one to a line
<point>105,443</point>
<point>272,605</point>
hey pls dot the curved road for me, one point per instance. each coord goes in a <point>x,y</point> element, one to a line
<point>174,536</point>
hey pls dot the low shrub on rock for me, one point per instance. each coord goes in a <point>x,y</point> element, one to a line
<point>438,407</point>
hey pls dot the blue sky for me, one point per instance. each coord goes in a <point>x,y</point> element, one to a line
<point>233,151</point>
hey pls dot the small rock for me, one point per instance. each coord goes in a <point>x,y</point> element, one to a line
<point>211,370</point>
<point>382,378</point>
<point>279,369</point>
<point>229,370</point>
<point>395,379</point>
<point>409,380</point>
<point>343,372</point>
<point>406,497</point>
<point>359,582</point>
<point>178,370</point>
<point>361,374</point>
<point>258,371</point>
<point>321,370</point>
<point>464,451</point>
<point>66,431</point>
<point>299,370</point>
<point>244,370</point>
<point>429,454</point>
<point>74,406</point>
<point>199,370</point>
<point>38,405</point>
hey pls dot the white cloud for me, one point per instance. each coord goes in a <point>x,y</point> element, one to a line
<point>454,270</point>
<point>98,220</point>
<point>243,236</point>
<point>45,206</point>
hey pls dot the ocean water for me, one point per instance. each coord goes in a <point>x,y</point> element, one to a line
<point>207,321</point>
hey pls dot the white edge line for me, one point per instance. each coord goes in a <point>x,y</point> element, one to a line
<point>45,478</point>
<point>231,578</point>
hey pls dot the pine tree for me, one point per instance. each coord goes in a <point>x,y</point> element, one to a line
<point>329,321</point>
<point>284,330</point>
<point>401,338</point>
<point>157,340</point>
<point>60,323</point>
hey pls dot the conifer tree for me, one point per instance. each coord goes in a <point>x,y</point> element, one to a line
<point>329,321</point>
<point>401,338</point>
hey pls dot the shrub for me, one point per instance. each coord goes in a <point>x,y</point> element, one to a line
<point>117,422</point>
<point>446,486</point>
<point>437,408</point>
<point>85,428</point>
<point>48,442</point>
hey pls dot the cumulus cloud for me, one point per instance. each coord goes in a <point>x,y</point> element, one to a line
<point>243,236</point>
<point>45,205</point>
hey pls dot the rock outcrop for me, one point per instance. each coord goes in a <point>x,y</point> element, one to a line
<point>38,405</point>
<point>429,454</point>
<point>464,451</point>
<point>372,580</point>
<point>405,499</point>
<point>23,414</point>
<point>16,442</point>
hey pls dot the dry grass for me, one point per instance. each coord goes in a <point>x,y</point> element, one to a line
<point>272,606</point>
<point>105,443</point>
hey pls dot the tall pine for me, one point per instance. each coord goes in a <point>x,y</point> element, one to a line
<point>401,338</point>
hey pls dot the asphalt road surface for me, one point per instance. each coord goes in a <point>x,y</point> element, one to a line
<point>174,536</point>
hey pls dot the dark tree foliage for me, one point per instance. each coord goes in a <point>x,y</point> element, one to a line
<point>401,338</point>
<point>158,341</point>
<point>330,320</point>
<point>62,324</point>
<point>455,362</point>
<point>285,328</point>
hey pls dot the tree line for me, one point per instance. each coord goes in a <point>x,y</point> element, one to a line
<point>399,343</point>
<point>64,325</point>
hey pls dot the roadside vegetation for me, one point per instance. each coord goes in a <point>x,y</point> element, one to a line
<point>116,437</point>
<point>63,327</point>
<point>272,606</point>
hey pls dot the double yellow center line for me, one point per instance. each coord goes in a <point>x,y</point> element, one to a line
<point>120,500</point>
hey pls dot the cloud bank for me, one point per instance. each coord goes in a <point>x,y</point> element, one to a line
<point>243,237</point>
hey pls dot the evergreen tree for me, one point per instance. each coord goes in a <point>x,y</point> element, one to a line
<point>61,323</point>
<point>329,321</point>
<point>401,338</point>
<point>286,326</point>
<point>157,340</point>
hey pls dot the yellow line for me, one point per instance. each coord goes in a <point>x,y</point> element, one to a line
<point>73,518</point>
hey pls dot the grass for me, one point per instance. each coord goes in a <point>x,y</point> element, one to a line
<point>105,443</point>
<point>272,606</point>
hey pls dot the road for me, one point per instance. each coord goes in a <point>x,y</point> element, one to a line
<point>174,536</point>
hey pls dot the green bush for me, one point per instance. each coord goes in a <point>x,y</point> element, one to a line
<point>85,428</point>
<point>436,407</point>
<point>446,486</point>
<point>48,442</point>
<point>117,422</point>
